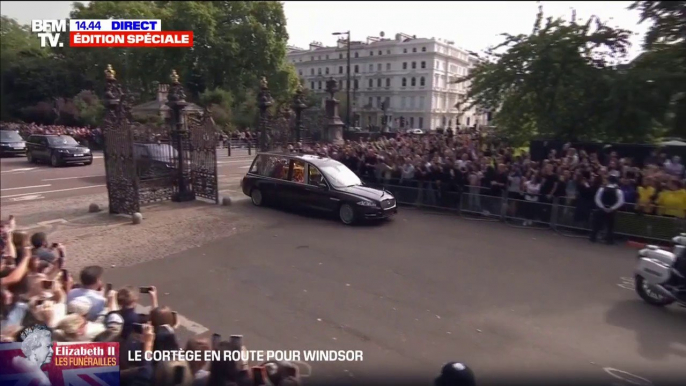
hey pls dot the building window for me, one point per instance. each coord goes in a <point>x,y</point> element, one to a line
<point>413,82</point>
<point>311,85</point>
<point>380,52</point>
<point>371,101</point>
<point>422,81</point>
<point>404,65</point>
<point>356,84</point>
<point>388,67</point>
<point>371,83</point>
<point>388,82</point>
<point>300,72</point>
<point>357,54</point>
<point>404,82</point>
<point>326,70</point>
<point>327,57</point>
<point>340,69</point>
<point>414,49</point>
<point>319,57</point>
<point>319,85</point>
<point>378,82</point>
<point>378,67</point>
<point>340,56</point>
<point>423,50</point>
<point>421,122</point>
<point>403,102</point>
<point>423,64</point>
<point>357,68</point>
<point>311,57</point>
<point>411,122</point>
<point>319,71</point>
<point>371,53</point>
<point>404,50</point>
<point>387,102</point>
<point>378,101</point>
<point>371,67</point>
<point>311,71</point>
<point>414,65</point>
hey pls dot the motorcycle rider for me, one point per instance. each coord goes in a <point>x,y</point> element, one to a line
<point>608,199</point>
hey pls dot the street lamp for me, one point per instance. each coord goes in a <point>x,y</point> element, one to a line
<point>347,81</point>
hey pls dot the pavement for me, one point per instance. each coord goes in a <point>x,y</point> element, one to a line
<point>411,293</point>
<point>21,181</point>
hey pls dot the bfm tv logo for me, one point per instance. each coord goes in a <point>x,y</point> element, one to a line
<point>49,31</point>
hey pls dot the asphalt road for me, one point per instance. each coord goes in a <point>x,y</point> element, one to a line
<point>421,290</point>
<point>21,181</point>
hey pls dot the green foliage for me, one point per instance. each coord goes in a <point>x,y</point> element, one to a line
<point>564,81</point>
<point>235,44</point>
<point>91,110</point>
<point>220,103</point>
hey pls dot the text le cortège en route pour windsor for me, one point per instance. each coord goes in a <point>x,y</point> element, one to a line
<point>108,33</point>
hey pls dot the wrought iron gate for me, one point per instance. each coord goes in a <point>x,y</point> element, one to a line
<point>149,163</point>
<point>202,143</point>
<point>120,171</point>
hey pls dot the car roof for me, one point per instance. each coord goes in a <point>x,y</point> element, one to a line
<point>314,159</point>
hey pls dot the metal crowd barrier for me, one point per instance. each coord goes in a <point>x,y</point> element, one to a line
<point>574,220</point>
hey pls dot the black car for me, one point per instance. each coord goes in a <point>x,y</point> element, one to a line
<point>58,150</point>
<point>315,182</point>
<point>154,160</point>
<point>11,143</point>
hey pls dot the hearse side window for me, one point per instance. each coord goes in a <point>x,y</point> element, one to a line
<point>258,165</point>
<point>298,171</point>
<point>314,176</point>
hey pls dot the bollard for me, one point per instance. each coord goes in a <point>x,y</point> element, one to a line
<point>228,145</point>
<point>249,148</point>
<point>226,201</point>
<point>136,218</point>
<point>93,208</point>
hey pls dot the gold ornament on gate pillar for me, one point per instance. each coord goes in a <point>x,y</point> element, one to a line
<point>174,77</point>
<point>110,74</point>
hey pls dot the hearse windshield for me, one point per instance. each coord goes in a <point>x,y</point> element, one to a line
<point>339,175</point>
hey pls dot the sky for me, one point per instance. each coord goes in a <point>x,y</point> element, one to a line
<point>472,25</point>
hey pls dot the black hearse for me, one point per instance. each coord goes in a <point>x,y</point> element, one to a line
<point>58,150</point>
<point>11,143</point>
<point>314,182</point>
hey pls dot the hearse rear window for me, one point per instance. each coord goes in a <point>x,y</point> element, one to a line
<point>270,166</point>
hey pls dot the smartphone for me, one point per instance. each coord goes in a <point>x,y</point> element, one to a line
<point>47,284</point>
<point>108,288</point>
<point>138,328</point>
<point>178,375</point>
<point>216,338</point>
<point>259,375</point>
<point>145,290</point>
<point>236,341</point>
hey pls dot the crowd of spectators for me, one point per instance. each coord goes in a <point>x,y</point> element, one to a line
<point>442,169</point>
<point>38,289</point>
<point>84,135</point>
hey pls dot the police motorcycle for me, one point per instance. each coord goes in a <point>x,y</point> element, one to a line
<point>657,280</point>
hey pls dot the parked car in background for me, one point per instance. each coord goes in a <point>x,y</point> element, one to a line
<point>154,160</point>
<point>11,143</point>
<point>58,150</point>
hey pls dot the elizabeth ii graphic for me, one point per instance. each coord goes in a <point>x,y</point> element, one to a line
<point>37,347</point>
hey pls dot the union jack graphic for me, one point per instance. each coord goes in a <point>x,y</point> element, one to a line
<point>11,375</point>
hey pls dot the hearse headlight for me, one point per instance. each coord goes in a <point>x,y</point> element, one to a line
<point>62,151</point>
<point>366,203</point>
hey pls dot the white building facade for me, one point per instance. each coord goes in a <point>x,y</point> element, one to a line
<point>412,76</point>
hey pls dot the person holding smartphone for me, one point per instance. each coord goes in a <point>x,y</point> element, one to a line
<point>44,251</point>
<point>127,299</point>
<point>92,286</point>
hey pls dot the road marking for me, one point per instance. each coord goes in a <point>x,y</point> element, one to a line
<point>27,198</point>
<point>627,283</point>
<point>184,322</point>
<point>18,170</point>
<point>56,191</point>
<point>50,222</point>
<point>71,178</point>
<point>245,167</point>
<point>25,187</point>
<point>98,157</point>
<point>628,377</point>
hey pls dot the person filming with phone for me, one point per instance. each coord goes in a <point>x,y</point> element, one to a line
<point>92,287</point>
<point>127,299</point>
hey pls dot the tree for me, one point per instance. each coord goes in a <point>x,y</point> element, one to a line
<point>564,80</point>
<point>90,108</point>
<point>666,45</point>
